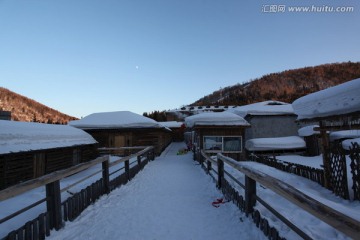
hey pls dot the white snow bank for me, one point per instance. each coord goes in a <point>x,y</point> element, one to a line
<point>120,119</point>
<point>347,143</point>
<point>308,131</point>
<point>344,134</point>
<point>172,124</point>
<point>215,119</point>
<point>341,99</point>
<point>315,161</point>
<point>263,108</point>
<point>280,143</point>
<point>26,136</point>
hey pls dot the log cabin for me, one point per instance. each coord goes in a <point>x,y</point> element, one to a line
<point>124,129</point>
<point>30,150</point>
<point>218,132</point>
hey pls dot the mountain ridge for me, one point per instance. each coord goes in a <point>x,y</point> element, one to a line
<point>28,110</point>
<point>285,86</point>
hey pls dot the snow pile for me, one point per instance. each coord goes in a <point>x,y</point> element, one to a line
<point>344,134</point>
<point>280,143</point>
<point>120,119</point>
<point>347,144</point>
<point>264,108</point>
<point>215,119</point>
<point>27,136</point>
<point>308,131</point>
<point>172,124</point>
<point>341,99</point>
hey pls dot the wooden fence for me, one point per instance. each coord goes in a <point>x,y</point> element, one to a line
<point>314,174</point>
<point>57,211</point>
<point>246,203</point>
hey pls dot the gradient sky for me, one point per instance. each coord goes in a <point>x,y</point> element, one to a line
<point>86,56</point>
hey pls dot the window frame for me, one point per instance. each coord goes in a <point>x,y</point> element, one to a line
<point>222,143</point>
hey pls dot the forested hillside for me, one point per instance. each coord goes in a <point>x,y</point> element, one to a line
<point>285,86</point>
<point>28,110</point>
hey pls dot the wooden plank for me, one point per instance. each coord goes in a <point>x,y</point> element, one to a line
<point>34,183</point>
<point>334,218</point>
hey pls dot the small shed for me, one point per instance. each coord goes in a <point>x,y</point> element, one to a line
<point>125,129</point>
<point>336,109</point>
<point>312,139</point>
<point>216,132</point>
<point>177,128</point>
<point>268,119</point>
<point>30,150</point>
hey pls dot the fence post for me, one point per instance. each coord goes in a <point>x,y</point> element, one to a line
<point>105,175</point>
<point>220,164</point>
<point>139,160</point>
<point>127,169</point>
<point>208,169</point>
<point>53,204</point>
<point>250,195</point>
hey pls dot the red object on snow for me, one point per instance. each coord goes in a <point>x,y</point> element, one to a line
<point>218,202</point>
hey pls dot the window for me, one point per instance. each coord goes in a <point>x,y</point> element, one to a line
<point>213,143</point>
<point>222,143</point>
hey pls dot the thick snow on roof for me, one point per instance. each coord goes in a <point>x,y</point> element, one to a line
<point>120,119</point>
<point>172,124</point>
<point>344,134</point>
<point>263,108</point>
<point>308,131</point>
<point>341,99</point>
<point>25,136</point>
<point>280,143</point>
<point>215,119</point>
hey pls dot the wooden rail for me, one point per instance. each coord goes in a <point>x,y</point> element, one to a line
<point>72,207</point>
<point>334,218</point>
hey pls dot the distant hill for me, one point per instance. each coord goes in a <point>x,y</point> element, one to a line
<point>285,86</point>
<point>27,110</point>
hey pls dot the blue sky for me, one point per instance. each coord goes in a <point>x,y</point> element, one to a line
<point>86,56</point>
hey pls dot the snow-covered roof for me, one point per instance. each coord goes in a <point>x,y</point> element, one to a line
<point>280,143</point>
<point>346,144</point>
<point>25,136</point>
<point>120,119</point>
<point>344,134</point>
<point>338,100</point>
<point>263,108</point>
<point>172,124</point>
<point>308,131</point>
<point>215,119</point>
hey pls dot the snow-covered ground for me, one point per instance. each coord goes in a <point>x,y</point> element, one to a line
<point>170,199</point>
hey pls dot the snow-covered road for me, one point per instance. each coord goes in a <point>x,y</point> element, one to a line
<point>170,199</point>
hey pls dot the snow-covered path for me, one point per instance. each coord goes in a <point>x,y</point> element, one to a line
<point>170,199</point>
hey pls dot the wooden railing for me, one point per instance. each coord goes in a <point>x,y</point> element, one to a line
<point>334,218</point>
<point>58,211</point>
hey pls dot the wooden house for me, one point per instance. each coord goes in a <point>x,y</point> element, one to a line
<point>335,109</point>
<point>268,119</point>
<point>125,129</point>
<point>177,130</point>
<point>30,150</point>
<point>218,132</point>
